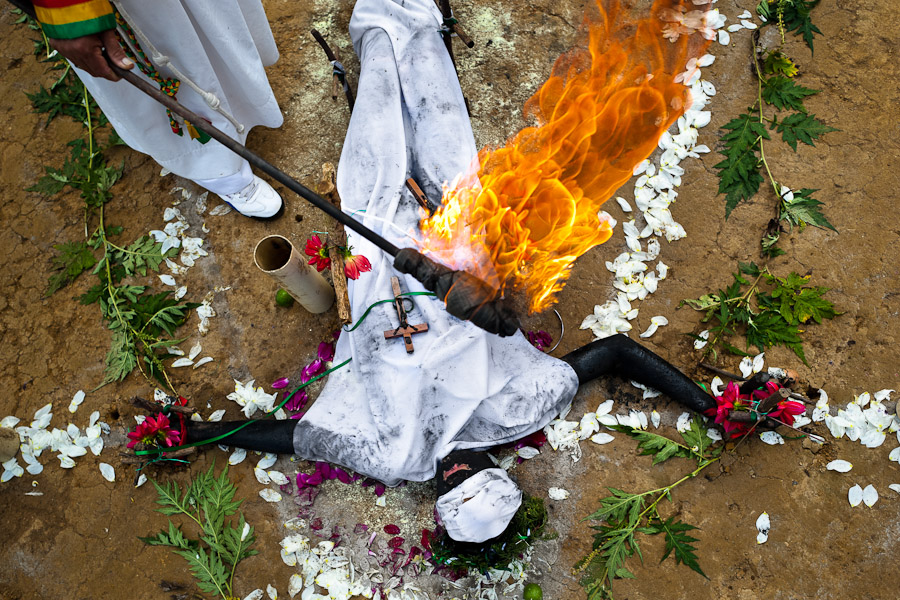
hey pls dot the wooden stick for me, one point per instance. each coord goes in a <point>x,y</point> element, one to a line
<point>155,407</point>
<point>455,27</point>
<point>335,78</point>
<point>328,188</point>
<point>722,372</point>
<point>420,196</point>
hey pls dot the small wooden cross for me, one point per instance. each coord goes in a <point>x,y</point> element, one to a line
<point>405,330</point>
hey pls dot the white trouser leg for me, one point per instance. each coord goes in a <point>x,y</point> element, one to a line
<point>230,183</point>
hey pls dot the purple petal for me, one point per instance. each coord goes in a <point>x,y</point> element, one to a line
<point>342,475</point>
<point>379,489</point>
<point>280,384</point>
<point>325,351</point>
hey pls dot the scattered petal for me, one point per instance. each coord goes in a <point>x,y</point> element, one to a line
<point>269,495</point>
<point>602,438</point>
<point>295,585</point>
<point>267,461</point>
<point>141,480</point>
<point>203,361</point>
<point>624,204</point>
<point>272,592</point>
<point>277,477</point>
<point>262,476</point>
<point>527,452</point>
<point>746,366</point>
<point>237,457</point>
<point>194,351</point>
<point>108,472</point>
<point>763,525</point>
<point>180,292</point>
<point>256,594</point>
<point>870,495</point>
<point>895,487</point>
<point>182,362</point>
<point>654,418</point>
<point>855,495</point>
<point>684,422</point>
<point>76,401</point>
<point>168,280</point>
<point>841,466</point>
<point>216,416</point>
<point>771,438</point>
<point>556,493</point>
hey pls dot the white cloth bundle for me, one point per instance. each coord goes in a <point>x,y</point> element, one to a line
<point>480,507</point>
<point>388,414</point>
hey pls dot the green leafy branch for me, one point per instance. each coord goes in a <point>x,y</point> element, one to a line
<point>142,323</point>
<point>207,501</point>
<point>623,515</point>
<point>764,318</point>
<point>745,137</point>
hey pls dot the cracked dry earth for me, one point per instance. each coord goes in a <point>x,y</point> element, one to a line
<point>78,539</point>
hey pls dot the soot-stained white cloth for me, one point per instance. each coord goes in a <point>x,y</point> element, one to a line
<point>221,45</point>
<point>388,414</point>
<point>480,507</point>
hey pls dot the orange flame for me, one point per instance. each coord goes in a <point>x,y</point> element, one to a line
<point>530,210</point>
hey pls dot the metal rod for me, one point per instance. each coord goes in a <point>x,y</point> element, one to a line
<point>254,159</point>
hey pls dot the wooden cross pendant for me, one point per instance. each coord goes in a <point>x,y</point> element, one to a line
<point>405,330</point>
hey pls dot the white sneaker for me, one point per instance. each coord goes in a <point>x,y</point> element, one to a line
<point>258,200</point>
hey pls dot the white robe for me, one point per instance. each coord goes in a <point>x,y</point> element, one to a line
<point>223,46</point>
<point>388,414</point>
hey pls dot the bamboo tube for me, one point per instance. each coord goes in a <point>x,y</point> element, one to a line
<point>277,257</point>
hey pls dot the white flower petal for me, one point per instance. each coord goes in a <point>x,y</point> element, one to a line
<point>262,476</point>
<point>237,457</point>
<point>684,422</point>
<point>895,454</point>
<point>216,416</point>
<point>141,480</point>
<point>182,362</point>
<point>623,204</point>
<point>650,330</point>
<point>202,361</point>
<point>895,487</point>
<point>180,292</point>
<point>870,495</point>
<point>746,366</point>
<point>194,351</point>
<point>771,438</point>
<point>527,452</point>
<point>556,493</point>
<point>763,526</point>
<point>108,472</point>
<point>269,495</point>
<point>256,594</point>
<point>267,461</point>
<point>272,592</point>
<point>841,466</point>
<point>295,585</point>
<point>76,401</point>
<point>759,362</point>
<point>604,408</point>
<point>714,434</point>
<point>602,438</point>
<point>168,280</point>
<point>855,495</point>
<point>655,418</point>
<point>277,477</point>
<point>724,37</point>
<point>716,386</point>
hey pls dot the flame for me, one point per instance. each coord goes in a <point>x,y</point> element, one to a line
<point>521,219</point>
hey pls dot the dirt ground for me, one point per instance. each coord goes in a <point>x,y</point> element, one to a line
<point>78,539</point>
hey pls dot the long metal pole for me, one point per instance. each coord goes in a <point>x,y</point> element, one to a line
<point>254,159</point>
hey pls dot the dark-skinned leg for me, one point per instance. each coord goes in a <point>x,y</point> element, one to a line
<point>621,356</point>
<point>264,435</point>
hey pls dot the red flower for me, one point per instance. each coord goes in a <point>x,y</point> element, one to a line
<point>786,410</point>
<point>155,432</point>
<point>318,253</point>
<point>356,264</point>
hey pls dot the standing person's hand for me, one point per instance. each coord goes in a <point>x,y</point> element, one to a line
<point>86,53</point>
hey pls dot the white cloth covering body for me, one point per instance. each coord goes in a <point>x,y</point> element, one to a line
<point>223,46</point>
<point>388,414</point>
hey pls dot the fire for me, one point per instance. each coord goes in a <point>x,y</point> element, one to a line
<point>521,219</point>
